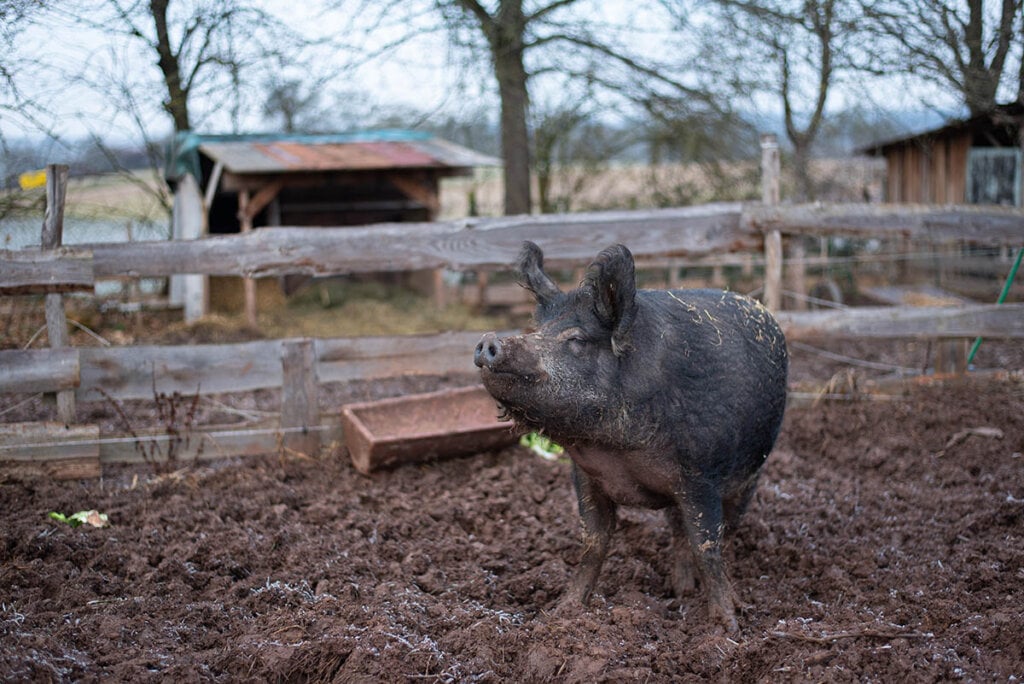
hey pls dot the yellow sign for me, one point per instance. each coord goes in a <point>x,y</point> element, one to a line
<point>32,179</point>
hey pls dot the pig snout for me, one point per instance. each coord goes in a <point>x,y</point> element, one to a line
<point>489,351</point>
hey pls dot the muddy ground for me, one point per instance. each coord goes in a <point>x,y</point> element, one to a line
<point>885,543</point>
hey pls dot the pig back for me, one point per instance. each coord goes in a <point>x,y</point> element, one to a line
<point>711,367</point>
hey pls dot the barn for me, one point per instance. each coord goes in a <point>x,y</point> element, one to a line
<point>237,183</point>
<point>338,179</point>
<point>977,160</point>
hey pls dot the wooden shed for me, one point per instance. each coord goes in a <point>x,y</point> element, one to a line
<point>970,161</point>
<point>319,180</point>
<point>237,183</point>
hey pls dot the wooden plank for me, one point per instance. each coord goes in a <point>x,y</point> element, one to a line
<point>44,272</point>
<point>989,320</point>
<point>47,449</point>
<point>343,360</point>
<point>201,444</point>
<point>773,270</point>
<point>771,195</point>
<point>771,170</point>
<point>983,225</point>
<point>300,408</point>
<point>128,372</point>
<point>56,191</point>
<point>567,239</point>
<point>261,199</point>
<point>422,188</point>
<point>248,283</point>
<point>796,274</point>
<point>211,186</point>
<point>39,370</point>
<point>951,357</point>
<point>462,245</point>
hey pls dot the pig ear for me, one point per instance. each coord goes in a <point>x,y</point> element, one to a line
<point>532,275</point>
<point>612,278</point>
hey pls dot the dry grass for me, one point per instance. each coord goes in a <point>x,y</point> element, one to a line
<point>619,186</point>
<point>338,309</point>
<point>114,196</point>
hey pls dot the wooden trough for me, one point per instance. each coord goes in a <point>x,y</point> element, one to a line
<point>423,427</point>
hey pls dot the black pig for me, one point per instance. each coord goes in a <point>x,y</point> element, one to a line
<point>663,399</point>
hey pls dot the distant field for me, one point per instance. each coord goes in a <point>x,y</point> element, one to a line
<point>574,189</point>
<point>116,197</point>
<point>637,186</point>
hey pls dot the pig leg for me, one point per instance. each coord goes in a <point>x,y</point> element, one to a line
<point>597,513</point>
<point>702,513</point>
<point>684,582</point>
<point>736,502</point>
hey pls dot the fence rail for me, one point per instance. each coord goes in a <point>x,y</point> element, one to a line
<point>297,367</point>
<point>494,243</point>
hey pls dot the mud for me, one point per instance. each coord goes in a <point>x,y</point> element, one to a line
<point>884,544</point>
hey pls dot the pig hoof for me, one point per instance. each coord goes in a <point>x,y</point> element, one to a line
<point>573,601</point>
<point>724,615</point>
<point>568,606</point>
<point>684,582</point>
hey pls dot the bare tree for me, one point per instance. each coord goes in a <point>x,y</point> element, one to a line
<point>959,45</point>
<point>154,63</point>
<point>199,46</point>
<point>15,17</point>
<point>508,31</point>
<point>572,147</point>
<point>792,50</point>
<point>294,102</point>
<point>19,112</point>
<point>561,37</point>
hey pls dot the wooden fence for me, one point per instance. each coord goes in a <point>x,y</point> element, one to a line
<point>299,367</point>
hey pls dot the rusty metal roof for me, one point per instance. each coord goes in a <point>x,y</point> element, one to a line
<point>362,151</point>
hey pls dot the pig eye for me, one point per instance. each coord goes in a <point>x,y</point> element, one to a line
<point>576,344</point>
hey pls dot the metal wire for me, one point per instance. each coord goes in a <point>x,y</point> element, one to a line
<point>163,438</point>
<point>874,365</point>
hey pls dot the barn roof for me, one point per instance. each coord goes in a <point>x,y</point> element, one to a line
<point>356,151</point>
<point>1001,117</point>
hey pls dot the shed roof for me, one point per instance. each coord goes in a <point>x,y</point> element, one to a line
<point>356,151</point>
<point>1002,115</point>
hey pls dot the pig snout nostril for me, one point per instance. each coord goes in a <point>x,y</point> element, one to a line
<point>488,351</point>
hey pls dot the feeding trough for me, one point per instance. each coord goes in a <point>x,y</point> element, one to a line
<point>422,427</point>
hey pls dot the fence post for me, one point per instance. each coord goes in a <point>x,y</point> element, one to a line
<point>248,284</point>
<point>300,401</point>
<point>770,196</point>
<point>52,237</point>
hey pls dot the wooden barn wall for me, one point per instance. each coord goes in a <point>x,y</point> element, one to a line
<point>958,148</point>
<point>932,172</point>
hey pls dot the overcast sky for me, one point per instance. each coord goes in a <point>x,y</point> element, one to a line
<point>415,75</point>
<point>420,74</point>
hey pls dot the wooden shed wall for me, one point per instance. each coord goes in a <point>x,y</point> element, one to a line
<point>930,172</point>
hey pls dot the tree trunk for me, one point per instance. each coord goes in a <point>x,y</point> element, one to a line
<point>515,141</point>
<point>802,169</point>
<point>176,103</point>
